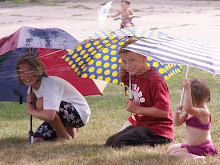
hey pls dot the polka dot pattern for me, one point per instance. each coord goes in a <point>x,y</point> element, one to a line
<point>97,56</point>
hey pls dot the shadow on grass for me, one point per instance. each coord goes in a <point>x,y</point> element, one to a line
<point>18,151</point>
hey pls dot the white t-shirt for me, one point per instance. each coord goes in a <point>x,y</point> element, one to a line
<point>55,89</point>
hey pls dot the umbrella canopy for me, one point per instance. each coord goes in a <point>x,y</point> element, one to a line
<point>29,37</point>
<point>50,45</point>
<point>180,51</point>
<point>97,56</point>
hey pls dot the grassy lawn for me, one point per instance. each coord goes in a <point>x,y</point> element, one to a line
<point>108,115</point>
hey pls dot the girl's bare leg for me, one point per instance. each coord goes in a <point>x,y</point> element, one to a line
<point>39,103</point>
<point>60,129</point>
<point>176,150</point>
<point>173,147</point>
<point>73,132</point>
<point>56,124</point>
<point>38,139</point>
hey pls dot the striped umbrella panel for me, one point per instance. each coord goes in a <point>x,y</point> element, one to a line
<point>179,51</point>
<point>97,57</point>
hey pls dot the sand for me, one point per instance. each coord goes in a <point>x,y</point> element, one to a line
<point>198,20</point>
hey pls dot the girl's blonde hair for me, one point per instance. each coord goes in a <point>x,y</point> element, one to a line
<point>199,90</point>
<point>35,64</point>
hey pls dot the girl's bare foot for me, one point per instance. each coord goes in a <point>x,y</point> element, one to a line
<point>62,138</point>
<point>38,139</point>
<point>199,157</point>
<point>73,132</point>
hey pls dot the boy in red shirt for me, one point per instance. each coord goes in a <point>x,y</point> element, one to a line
<point>150,104</point>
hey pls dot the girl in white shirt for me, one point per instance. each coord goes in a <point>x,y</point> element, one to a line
<point>53,100</point>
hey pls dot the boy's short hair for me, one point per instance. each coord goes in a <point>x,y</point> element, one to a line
<point>126,1</point>
<point>35,65</point>
<point>199,90</point>
<point>123,51</point>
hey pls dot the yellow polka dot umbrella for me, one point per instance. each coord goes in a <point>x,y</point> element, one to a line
<point>97,56</point>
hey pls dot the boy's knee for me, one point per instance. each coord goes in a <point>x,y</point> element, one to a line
<point>117,143</point>
<point>109,141</point>
<point>114,142</point>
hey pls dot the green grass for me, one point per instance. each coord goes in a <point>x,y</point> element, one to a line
<point>50,4</point>
<point>79,6</point>
<point>18,1</point>
<point>108,115</point>
<point>136,10</point>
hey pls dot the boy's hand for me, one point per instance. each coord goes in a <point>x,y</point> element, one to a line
<point>31,98</point>
<point>131,106</point>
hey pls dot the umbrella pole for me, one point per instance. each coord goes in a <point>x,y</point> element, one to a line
<point>181,100</point>
<point>30,137</point>
<point>130,97</point>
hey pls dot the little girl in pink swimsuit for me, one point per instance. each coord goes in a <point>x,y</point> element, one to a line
<point>198,122</point>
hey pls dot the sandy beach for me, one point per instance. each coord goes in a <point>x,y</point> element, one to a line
<point>198,20</point>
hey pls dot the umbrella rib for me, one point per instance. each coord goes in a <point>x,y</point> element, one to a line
<point>17,52</point>
<point>169,52</point>
<point>174,45</point>
<point>44,54</point>
<point>157,56</point>
<point>37,51</point>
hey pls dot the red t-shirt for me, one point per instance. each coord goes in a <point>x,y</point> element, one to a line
<point>150,90</point>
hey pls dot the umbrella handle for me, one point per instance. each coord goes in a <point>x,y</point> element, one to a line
<point>30,137</point>
<point>181,100</point>
<point>130,96</point>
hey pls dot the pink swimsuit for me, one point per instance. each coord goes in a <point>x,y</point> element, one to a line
<point>196,123</point>
<point>202,149</point>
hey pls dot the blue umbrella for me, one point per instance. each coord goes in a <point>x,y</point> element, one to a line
<point>20,43</point>
<point>97,56</point>
<point>24,40</point>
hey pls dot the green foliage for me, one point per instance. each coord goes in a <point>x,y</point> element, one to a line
<point>19,1</point>
<point>79,6</point>
<point>15,1</point>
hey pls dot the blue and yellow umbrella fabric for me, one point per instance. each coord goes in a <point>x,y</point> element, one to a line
<point>97,56</point>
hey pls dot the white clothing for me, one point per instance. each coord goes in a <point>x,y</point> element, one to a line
<point>55,89</point>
